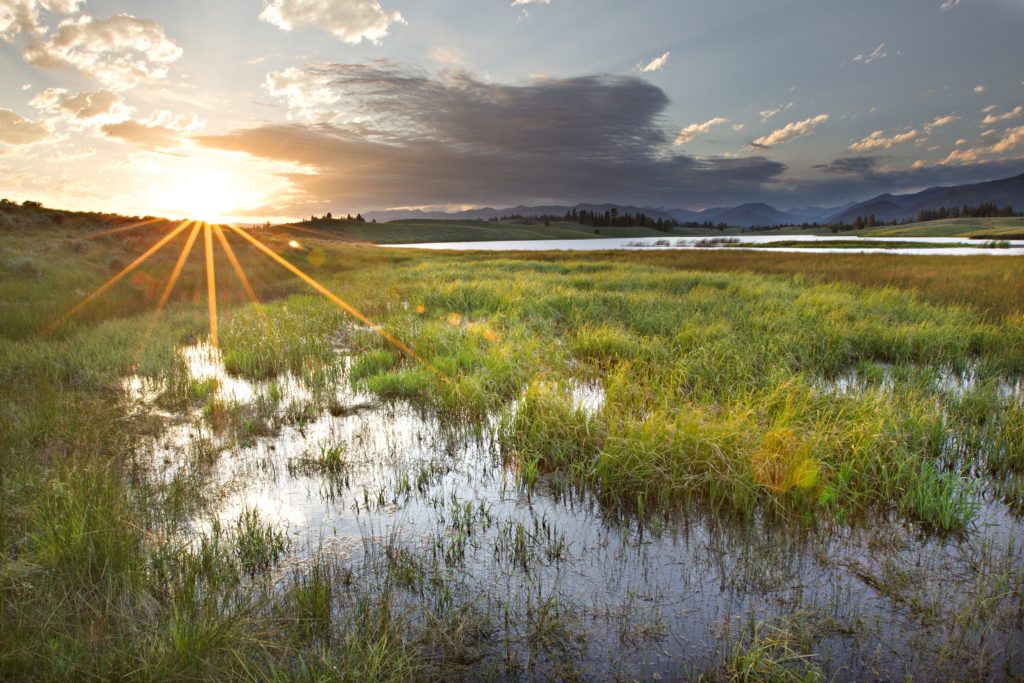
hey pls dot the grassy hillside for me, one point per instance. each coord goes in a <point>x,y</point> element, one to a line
<point>413,231</point>
<point>425,230</point>
<point>1003,228</point>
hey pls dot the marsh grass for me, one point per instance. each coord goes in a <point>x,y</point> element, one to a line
<point>711,367</point>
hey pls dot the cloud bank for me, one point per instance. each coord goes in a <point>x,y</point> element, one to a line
<point>405,137</point>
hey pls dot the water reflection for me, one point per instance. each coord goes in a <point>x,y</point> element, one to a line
<point>957,246</point>
<point>655,597</point>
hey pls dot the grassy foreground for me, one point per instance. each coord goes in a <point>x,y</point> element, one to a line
<point>719,374</point>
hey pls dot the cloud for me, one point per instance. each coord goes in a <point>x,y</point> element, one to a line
<point>162,129</point>
<point>15,130</point>
<point>119,52</point>
<point>793,130</point>
<point>308,93</point>
<point>768,113</point>
<point>655,64</point>
<point>992,119</point>
<point>877,140</point>
<point>949,4</point>
<point>694,129</point>
<point>448,55</point>
<point>979,88</point>
<point>419,139</point>
<point>351,21</point>
<point>938,122</point>
<point>95,107</point>
<point>850,166</point>
<point>22,16</point>
<point>530,2</point>
<point>879,53</point>
<point>1012,138</point>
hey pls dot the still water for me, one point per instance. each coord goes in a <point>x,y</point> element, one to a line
<point>953,246</point>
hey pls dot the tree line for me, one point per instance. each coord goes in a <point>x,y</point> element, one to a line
<point>983,210</point>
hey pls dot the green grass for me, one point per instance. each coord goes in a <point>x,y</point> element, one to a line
<point>711,367</point>
<point>868,244</point>
<point>1001,228</point>
<point>412,231</point>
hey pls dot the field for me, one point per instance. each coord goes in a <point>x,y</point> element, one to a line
<point>719,465</point>
<point>981,228</point>
<point>410,231</point>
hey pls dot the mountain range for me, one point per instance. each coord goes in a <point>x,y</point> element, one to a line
<point>884,207</point>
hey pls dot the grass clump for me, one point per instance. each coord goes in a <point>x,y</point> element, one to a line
<point>258,543</point>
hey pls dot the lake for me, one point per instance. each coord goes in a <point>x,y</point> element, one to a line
<point>957,246</point>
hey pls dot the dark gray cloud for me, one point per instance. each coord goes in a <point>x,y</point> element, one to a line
<point>850,166</point>
<point>452,139</point>
<point>390,135</point>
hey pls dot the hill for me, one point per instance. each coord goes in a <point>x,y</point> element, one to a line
<point>888,207</point>
<point>425,230</point>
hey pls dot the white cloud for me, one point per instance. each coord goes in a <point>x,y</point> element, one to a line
<point>938,123</point>
<point>308,95</point>
<point>655,64</point>
<point>530,2</point>
<point>979,88</point>
<point>694,129</point>
<point>793,130</point>
<point>768,113</point>
<point>351,21</point>
<point>738,127</point>
<point>96,107</point>
<point>993,119</point>
<point>1012,138</point>
<point>877,140</point>
<point>879,53</point>
<point>15,130</point>
<point>960,141</point>
<point>119,52</point>
<point>949,4</point>
<point>22,16</point>
<point>990,108</point>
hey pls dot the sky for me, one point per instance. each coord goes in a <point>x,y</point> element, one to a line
<point>273,109</point>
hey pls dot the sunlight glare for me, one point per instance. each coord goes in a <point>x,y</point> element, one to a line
<point>206,194</point>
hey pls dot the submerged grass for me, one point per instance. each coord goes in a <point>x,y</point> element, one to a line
<point>710,367</point>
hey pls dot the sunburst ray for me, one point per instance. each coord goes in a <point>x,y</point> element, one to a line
<point>328,294</point>
<point>239,271</point>
<point>211,283</point>
<point>178,266</point>
<point>119,276</point>
<point>169,287</point>
<point>124,228</point>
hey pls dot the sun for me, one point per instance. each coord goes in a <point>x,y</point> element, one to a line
<point>215,196</point>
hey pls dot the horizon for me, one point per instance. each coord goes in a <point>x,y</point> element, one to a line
<point>282,109</point>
